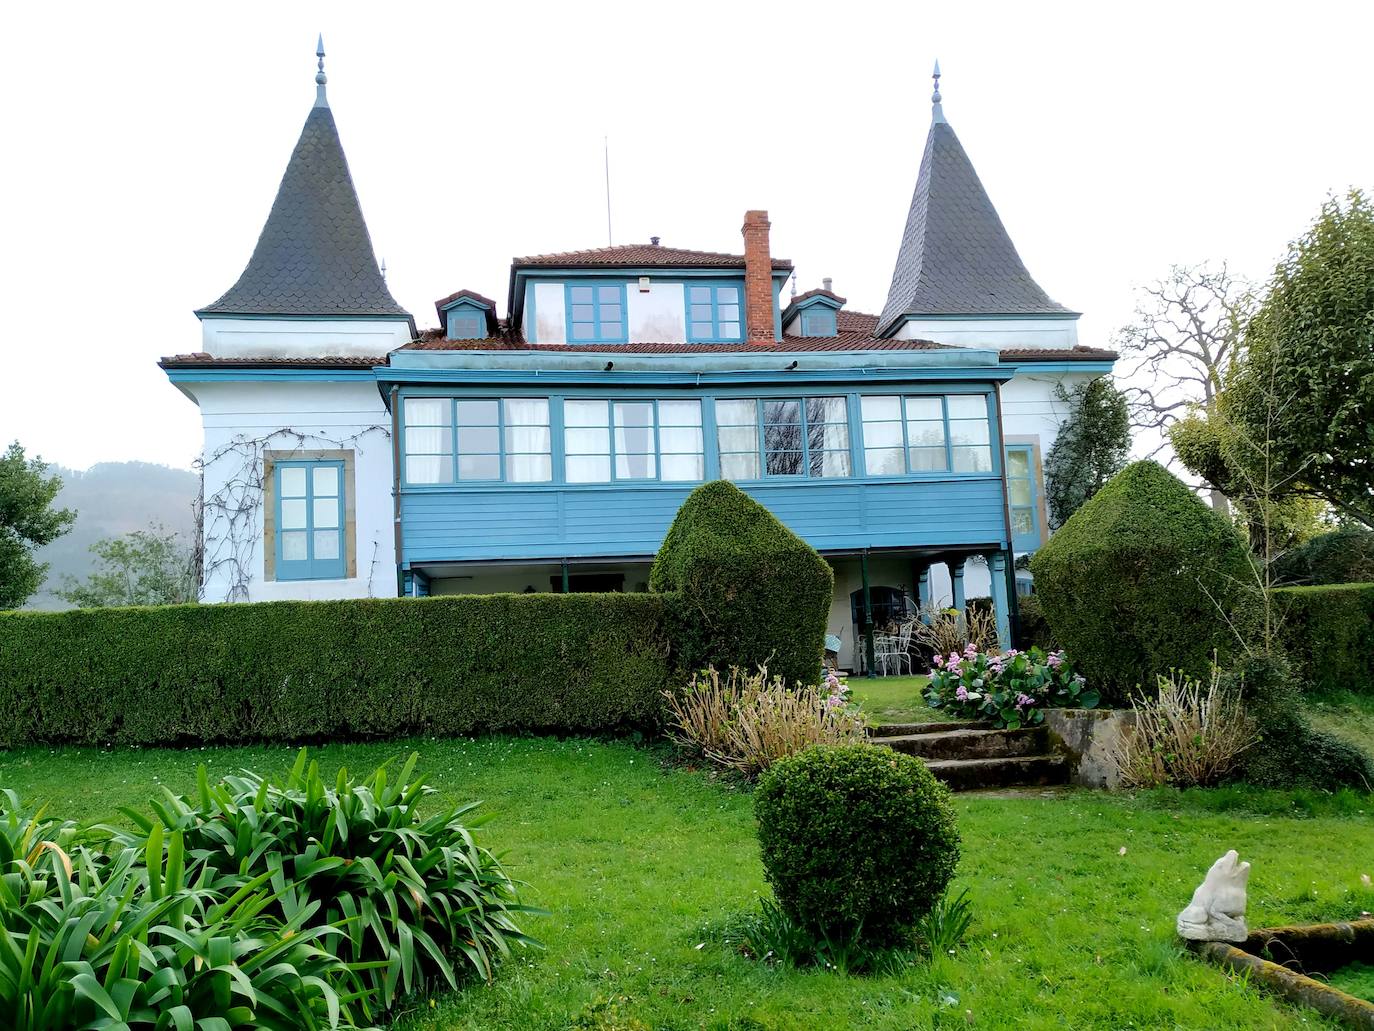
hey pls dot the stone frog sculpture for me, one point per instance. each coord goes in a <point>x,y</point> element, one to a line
<point>1217,912</point>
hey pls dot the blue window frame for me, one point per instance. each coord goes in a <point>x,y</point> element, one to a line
<point>309,514</point>
<point>788,437</point>
<point>926,433</point>
<point>466,323</point>
<point>596,313</point>
<point>633,439</point>
<point>714,313</point>
<point>1023,498</point>
<point>480,440</point>
<point>818,322</point>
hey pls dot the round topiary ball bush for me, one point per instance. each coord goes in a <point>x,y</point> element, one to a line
<point>856,839</point>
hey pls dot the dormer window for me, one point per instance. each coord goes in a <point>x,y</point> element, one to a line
<point>813,314</point>
<point>818,322</point>
<point>713,314</point>
<point>596,314</point>
<point>467,315</point>
<point>465,325</point>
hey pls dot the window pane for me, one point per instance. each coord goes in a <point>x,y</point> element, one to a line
<point>967,406</point>
<point>966,431</point>
<point>1022,522</point>
<point>592,441</point>
<point>634,413</point>
<point>293,546</point>
<point>727,295</point>
<point>635,467</point>
<point>700,294</point>
<point>883,434</point>
<point>738,438</point>
<point>581,294</point>
<point>876,409</point>
<point>701,312</point>
<point>1020,491</point>
<point>527,411</point>
<point>884,461</point>
<point>701,329</point>
<point>680,440</point>
<point>422,440</point>
<point>829,463</point>
<point>293,481</point>
<point>634,440</point>
<point>972,459</point>
<point>588,469</point>
<point>527,439</point>
<point>583,313</point>
<point>610,330</point>
<point>479,467</point>
<point>827,436</point>
<point>782,437</point>
<point>529,468</point>
<point>426,411</point>
<point>781,411</point>
<point>925,434</point>
<point>827,409</point>
<point>478,413</point>
<point>729,329</point>
<point>928,459</point>
<point>429,469</point>
<point>784,463</point>
<point>327,544</point>
<point>1018,463</point>
<point>924,408</point>
<point>728,312</point>
<point>736,413</point>
<point>479,440</point>
<point>739,467</point>
<point>609,293</point>
<point>585,413</point>
<point>325,481</point>
<point>293,514</point>
<point>326,513</point>
<point>679,413</point>
<point>683,467</point>
<point>583,331</point>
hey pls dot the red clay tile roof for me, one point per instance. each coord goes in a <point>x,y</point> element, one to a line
<point>855,322</point>
<point>471,295</point>
<point>648,254</point>
<point>1059,354</point>
<point>200,359</point>
<point>818,292</point>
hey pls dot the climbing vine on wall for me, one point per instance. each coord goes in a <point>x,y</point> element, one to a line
<point>230,519</point>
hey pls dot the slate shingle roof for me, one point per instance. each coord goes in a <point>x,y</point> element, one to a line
<point>956,257</point>
<point>314,255</point>
<point>650,254</point>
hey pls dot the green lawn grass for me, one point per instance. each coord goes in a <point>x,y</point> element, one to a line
<point>894,699</point>
<point>643,865</point>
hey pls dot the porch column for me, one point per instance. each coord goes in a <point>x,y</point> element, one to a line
<point>868,614</point>
<point>920,587</point>
<point>1001,603</point>
<point>956,579</point>
<point>565,576</point>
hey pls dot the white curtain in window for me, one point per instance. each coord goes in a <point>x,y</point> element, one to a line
<point>528,451</point>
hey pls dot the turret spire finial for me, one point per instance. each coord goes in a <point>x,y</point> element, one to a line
<point>937,112</point>
<point>320,77</point>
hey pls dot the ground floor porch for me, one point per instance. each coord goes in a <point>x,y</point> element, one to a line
<point>874,589</point>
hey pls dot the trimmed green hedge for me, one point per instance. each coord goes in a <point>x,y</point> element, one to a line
<point>1339,557</point>
<point>1142,579</point>
<point>1328,633</point>
<point>313,670</point>
<point>749,591</point>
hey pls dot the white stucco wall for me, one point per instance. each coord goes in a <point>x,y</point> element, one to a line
<point>300,338</point>
<point>995,333</point>
<point>241,420</point>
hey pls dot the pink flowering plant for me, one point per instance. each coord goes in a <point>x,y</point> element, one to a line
<point>1008,689</point>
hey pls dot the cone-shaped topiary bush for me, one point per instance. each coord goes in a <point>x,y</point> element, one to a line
<point>750,591</point>
<point>1142,579</point>
<point>857,840</point>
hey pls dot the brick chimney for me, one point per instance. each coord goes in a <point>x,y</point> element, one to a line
<point>758,279</point>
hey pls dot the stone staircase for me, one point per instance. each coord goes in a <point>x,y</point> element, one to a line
<point>969,756</point>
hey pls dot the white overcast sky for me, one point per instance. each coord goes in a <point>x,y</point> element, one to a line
<point>142,146</point>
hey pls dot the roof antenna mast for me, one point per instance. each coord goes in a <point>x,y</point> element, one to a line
<point>937,113</point>
<point>320,77</point>
<point>606,151</point>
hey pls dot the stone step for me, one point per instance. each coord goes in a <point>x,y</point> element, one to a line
<point>1022,771</point>
<point>972,743</point>
<point>907,729</point>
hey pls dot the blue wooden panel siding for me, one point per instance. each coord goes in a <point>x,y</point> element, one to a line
<point>617,520</point>
<point>1023,498</point>
<point>309,516</point>
<point>595,313</point>
<point>714,312</point>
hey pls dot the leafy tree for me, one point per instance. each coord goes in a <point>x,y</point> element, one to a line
<point>1311,345</point>
<point>146,567</point>
<point>1091,447</point>
<point>27,521</point>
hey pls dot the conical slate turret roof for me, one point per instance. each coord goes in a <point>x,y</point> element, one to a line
<point>314,256</point>
<point>956,257</point>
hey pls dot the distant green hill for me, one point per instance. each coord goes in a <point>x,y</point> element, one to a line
<point>111,499</point>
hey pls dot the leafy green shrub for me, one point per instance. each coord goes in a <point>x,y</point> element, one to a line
<point>749,592</point>
<point>1328,633</point>
<point>1008,689</point>
<point>1291,753</point>
<point>416,895</point>
<point>1034,628</point>
<point>88,940</point>
<point>1144,578</point>
<point>857,840</point>
<point>1339,557</point>
<point>312,670</point>
<point>747,721</point>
